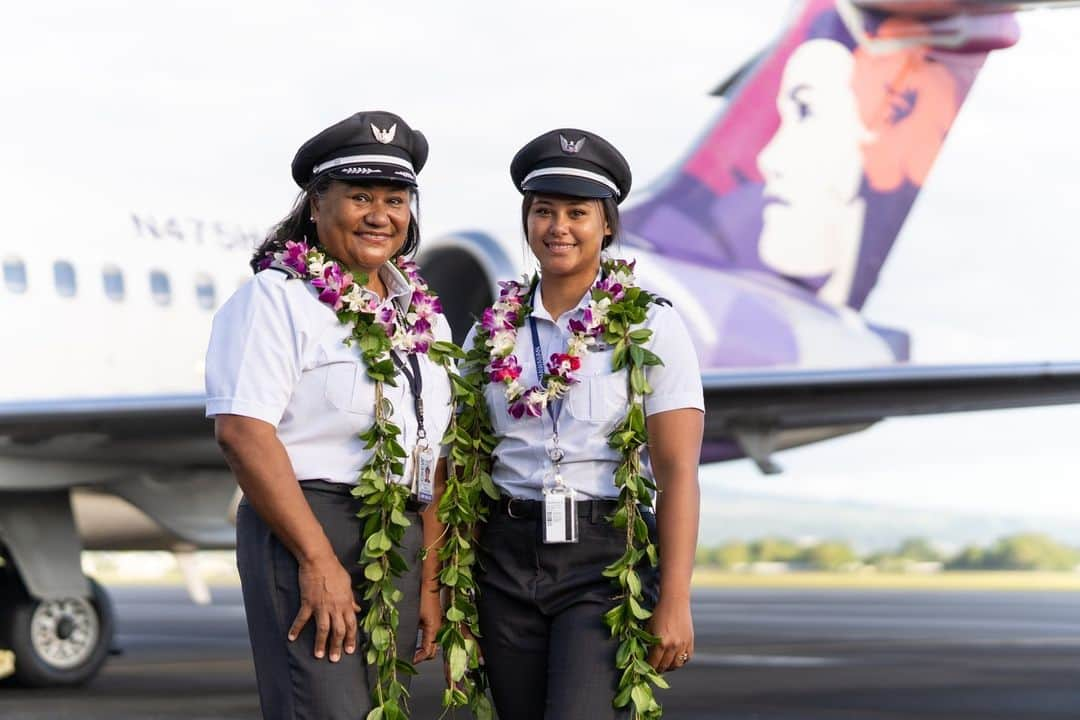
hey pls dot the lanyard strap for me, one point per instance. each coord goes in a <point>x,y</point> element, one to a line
<point>416,386</point>
<point>538,356</point>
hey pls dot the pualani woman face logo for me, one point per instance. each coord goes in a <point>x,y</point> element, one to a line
<point>813,167</point>
<point>875,117</point>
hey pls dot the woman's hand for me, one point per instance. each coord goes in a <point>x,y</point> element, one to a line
<point>265,474</point>
<point>431,617</point>
<point>674,625</point>
<point>326,594</point>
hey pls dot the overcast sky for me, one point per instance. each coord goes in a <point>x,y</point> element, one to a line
<point>197,110</point>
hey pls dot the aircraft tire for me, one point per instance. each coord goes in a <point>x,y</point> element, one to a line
<point>57,643</point>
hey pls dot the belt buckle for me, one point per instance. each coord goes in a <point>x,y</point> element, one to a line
<point>510,509</point>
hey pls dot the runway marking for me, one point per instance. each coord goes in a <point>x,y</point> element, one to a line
<point>779,661</point>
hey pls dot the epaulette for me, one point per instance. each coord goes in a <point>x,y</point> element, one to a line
<point>290,272</point>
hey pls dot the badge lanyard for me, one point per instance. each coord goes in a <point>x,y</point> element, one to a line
<point>422,482</point>
<point>560,500</point>
<point>556,454</point>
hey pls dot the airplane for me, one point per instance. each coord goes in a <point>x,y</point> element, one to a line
<point>767,237</point>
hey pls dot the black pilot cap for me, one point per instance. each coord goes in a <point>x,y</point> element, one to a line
<point>377,146</point>
<point>574,163</point>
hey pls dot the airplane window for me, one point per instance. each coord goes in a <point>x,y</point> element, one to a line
<point>64,278</point>
<point>204,291</point>
<point>160,289</point>
<point>15,275</point>
<point>114,282</point>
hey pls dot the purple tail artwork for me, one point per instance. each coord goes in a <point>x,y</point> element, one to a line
<point>787,209</point>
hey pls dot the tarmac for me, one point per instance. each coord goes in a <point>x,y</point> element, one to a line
<point>761,655</point>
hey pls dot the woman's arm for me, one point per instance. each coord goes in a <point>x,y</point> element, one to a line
<point>262,469</point>
<point>431,611</point>
<point>674,451</point>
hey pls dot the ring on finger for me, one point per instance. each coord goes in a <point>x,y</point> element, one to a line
<point>683,658</point>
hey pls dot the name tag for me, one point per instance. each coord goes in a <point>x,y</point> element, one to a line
<point>423,480</point>
<point>560,515</point>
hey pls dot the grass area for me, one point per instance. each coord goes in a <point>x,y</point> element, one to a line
<point>1001,580</point>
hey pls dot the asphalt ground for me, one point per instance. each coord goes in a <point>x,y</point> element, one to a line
<point>761,655</point>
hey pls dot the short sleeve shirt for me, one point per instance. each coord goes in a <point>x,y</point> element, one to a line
<point>278,354</point>
<point>590,409</point>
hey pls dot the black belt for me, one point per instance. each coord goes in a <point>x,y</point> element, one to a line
<point>411,505</point>
<point>520,509</point>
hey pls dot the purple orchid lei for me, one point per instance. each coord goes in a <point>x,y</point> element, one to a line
<point>341,292</point>
<point>502,321</point>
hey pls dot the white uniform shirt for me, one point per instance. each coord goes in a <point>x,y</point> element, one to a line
<point>277,354</point>
<point>590,409</point>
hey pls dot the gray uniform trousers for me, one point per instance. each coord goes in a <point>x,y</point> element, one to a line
<point>547,652</point>
<point>293,684</point>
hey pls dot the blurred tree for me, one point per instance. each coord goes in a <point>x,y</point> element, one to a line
<point>829,555</point>
<point>969,558</point>
<point>1031,551</point>
<point>774,549</point>
<point>918,549</point>
<point>729,555</point>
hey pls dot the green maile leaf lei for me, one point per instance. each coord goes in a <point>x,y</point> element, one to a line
<point>376,329</point>
<point>616,310</point>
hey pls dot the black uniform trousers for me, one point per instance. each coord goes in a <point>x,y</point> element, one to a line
<point>547,652</point>
<point>293,683</point>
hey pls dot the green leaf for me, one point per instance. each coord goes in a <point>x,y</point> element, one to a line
<point>642,697</point>
<point>622,698</point>
<point>373,572</point>
<point>375,714</point>
<point>625,652</point>
<point>482,709</point>
<point>458,660</point>
<point>380,637</point>
<point>639,612</point>
<point>640,336</point>
<point>633,583</point>
<point>614,616</point>
<point>454,615</point>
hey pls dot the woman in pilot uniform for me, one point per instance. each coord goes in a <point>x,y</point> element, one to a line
<point>594,394</point>
<point>298,361</point>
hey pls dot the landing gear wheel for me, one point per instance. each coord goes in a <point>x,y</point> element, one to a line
<point>59,642</point>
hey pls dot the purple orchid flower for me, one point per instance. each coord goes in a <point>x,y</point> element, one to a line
<point>295,256</point>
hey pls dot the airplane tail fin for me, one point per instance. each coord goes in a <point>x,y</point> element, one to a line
<point>811,168</point>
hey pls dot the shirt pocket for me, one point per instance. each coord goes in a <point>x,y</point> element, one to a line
<point>498,410</point>
<point>348,389</point>
<point>600,395</point>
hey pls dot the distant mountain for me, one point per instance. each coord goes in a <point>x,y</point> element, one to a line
<point>733,515</point>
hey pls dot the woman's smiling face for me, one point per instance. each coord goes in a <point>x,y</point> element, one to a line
<point>566,234</point>
<point>362,226</point>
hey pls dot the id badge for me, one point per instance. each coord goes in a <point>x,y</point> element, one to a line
<point>423,485</point>
<point>560,515</point>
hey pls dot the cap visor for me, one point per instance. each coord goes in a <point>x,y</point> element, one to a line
<point>372,173</point>
<point>569,186</point>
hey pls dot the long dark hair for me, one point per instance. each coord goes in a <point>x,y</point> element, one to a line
<point>297,225</point>
<point>611,216</point>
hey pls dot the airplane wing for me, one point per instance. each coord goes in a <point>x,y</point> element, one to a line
<point>162,430</point>
<point>172,431</point>
<point>762,411</point>
<point>949,8</point>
